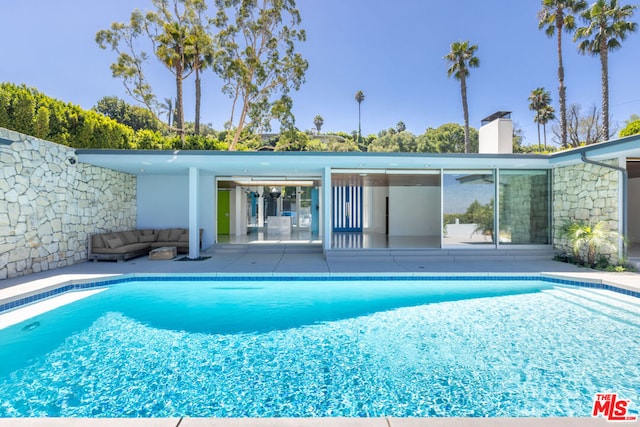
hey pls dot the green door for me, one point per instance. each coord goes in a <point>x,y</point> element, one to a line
<point>224,211</point>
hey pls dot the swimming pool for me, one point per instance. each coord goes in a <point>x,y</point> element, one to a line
<point>309,347</point>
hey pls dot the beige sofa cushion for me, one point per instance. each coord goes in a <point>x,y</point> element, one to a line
<point>134,247</point>
<point>163,235</point>
<point>114,243</point>
<point>175,233</point>
<point>148,238</point>
<point>130,237</point>
<point>97,241</point>
<point>184,237</point>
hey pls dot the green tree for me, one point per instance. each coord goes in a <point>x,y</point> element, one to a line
<point>632,126</point>
<point>401,127</point>
<point>556,16</point>
<point>447,138</point>
<point>359,98</point>
<point>170,31</point>
<point>318,121</point>
<point>394,141</point>
<point>258,60</point>
<point>607,25</point>
<point>41,122</point>
<point>130,115</point>
<point>460,59</point>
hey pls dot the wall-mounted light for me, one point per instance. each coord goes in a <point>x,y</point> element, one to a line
<point>274,192</point>
<point>72,160</point>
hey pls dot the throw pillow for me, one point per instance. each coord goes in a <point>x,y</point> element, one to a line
<point>116,242</point>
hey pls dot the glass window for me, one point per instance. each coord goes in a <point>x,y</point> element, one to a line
<point>468,208</point>
<point>524,207</point>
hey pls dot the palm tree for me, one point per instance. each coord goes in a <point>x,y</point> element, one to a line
<point>545,114</point>
<point>460,59</point>
<point>169,108</point>
<point>538,100</point>
<point>200,55</point>
<point>359,99</point>
<point>594,237</point>
<point>318,121</point>
<point>555,16</point>
<point>606,27</point>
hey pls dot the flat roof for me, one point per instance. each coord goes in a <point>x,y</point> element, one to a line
<point>296,163</point>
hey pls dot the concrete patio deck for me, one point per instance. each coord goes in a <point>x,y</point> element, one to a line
<point>302,259</point>
<point>283,259</point>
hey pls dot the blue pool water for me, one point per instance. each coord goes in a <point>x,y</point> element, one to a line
<point>324,348</point>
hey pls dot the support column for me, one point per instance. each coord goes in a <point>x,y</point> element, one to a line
<point>260,211</point>
<point>238,214</point>
<point>194,223</point>
<point>327,204</point>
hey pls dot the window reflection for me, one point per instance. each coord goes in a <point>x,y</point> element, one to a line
<point>524,207</point>
<point>468,208</point>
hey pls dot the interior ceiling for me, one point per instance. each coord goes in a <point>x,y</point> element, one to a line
<point>633,168</point>
<point>385,180</point>
<point>355,179</point>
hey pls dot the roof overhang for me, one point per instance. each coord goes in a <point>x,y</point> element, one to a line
<point>305,164</point>
<point>628,147</point>
<point>295,164</point>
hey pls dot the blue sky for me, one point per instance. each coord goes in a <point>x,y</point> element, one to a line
<point>391,50</point>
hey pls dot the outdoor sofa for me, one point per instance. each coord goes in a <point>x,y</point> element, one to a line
<point>124,245</point>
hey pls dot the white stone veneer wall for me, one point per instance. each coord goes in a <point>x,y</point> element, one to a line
<point>585,192</point>
<point>49,206</point>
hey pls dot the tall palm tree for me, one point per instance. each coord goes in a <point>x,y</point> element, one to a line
<point>555,16</point>
<point>544,116</point>
<point>200,54</point>
<point>460,59</point>
<point>359,99</point>
<point>168,107</point>
<point>607,25</point>
<point>318,121</point>
<point>538,100</point>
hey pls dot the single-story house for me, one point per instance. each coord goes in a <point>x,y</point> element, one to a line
<point>52,197</point>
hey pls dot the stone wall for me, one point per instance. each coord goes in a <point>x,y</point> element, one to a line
<point>49,205</point>
<point>589,193</point>
<point>524,208</point>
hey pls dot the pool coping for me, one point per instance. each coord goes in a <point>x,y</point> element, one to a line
<point>19,296</point>
<point>304,422</point>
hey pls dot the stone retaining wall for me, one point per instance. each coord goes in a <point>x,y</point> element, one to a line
<point>589,193</point>
<point>49,205</point>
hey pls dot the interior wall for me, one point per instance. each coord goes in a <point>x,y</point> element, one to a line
<point>373,209</point>
<point>414,211</point>
<point>238,212</point>
<point>163,202</point>
<point>634,210</point>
